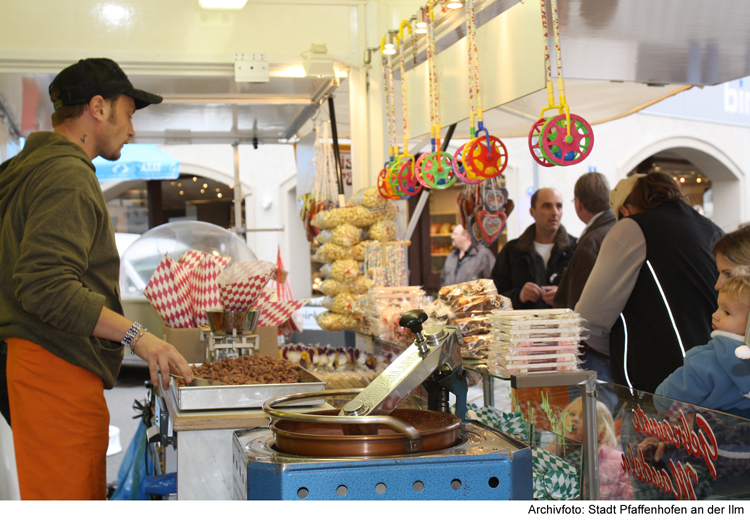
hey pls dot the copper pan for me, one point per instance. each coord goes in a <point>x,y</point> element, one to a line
<point>438,431</point>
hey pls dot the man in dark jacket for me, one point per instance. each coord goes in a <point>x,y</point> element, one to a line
<point>529,268</point>
<point>592,207</point>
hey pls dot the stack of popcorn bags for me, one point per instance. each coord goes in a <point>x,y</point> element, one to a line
<point>345,233</point>
<point>468,306</point>
<point>182,291</point>
<point>534,341</point>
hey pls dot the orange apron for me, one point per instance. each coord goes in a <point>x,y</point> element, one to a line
<point>60,425</point>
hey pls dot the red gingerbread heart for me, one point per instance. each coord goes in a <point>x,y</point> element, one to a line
<point>491,225</point>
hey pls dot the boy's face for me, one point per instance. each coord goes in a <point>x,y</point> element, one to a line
<point>731,316</point>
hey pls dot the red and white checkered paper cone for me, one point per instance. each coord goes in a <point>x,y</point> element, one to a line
<point>267,296</point>
<point>204,292</point>
<point>278,312</point>
<point>241,284</point>
<point>168,290</point>
<point>191,259</point>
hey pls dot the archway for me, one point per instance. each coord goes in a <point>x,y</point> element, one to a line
<point>198,194</point>
<point>706,160</point>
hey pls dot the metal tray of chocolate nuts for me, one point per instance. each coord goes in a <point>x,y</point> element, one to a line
<point>193,398</point>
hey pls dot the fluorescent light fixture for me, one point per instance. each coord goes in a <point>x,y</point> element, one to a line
<point>222,4</point>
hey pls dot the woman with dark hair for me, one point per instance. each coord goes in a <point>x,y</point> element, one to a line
<point>650,295</point>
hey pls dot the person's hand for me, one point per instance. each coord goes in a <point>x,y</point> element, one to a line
<point>531,292</point>
<point>653,443</point>
<point>162,359</point>
<point>548,294</point>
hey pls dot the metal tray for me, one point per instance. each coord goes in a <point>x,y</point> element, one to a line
<point>245,396</point>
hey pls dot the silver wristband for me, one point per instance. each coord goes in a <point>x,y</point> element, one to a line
<point>131,334</point>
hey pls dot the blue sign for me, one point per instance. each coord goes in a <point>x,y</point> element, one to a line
<point>727,103</point>
<point>138,161</point>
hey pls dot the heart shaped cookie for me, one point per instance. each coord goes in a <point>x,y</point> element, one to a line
<point>491,225</point>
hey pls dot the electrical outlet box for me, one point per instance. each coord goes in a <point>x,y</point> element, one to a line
<point>250,68</point>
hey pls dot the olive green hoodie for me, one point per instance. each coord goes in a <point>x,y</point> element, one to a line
<point>59,264</point>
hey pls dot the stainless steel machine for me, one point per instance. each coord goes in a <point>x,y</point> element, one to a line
<point>371,449</point>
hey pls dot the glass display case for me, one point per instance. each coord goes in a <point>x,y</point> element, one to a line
<point>648,447</point>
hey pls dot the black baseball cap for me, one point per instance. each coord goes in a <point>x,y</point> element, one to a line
<point>79,82</point>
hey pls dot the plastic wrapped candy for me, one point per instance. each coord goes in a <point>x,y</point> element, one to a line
<point>383,231</point>
<point>368,197</point>
<point>345,304</point>
<point>345,235</point>
<point>359,216</point>
<point>330,321</point>
<point>345,270</point>
<point>333,252</point>
<point>331,287</point>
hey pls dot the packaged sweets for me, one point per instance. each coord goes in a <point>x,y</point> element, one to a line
<point>330,321</point>
<point>330,252</point>
<point>383,231</point>
<point>531,341</point>
<point>345,303</point>
<point>345,235</point>
<point>384,308</point>
<point>331,287</point>
<point>345,270</point>
<point>358,216</point>
<point>368,197</point>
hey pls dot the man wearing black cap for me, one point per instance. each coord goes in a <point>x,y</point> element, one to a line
<point>60,310</point>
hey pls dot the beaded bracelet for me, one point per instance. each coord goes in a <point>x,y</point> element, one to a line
<point>135,340</point>
<point>132,333</point>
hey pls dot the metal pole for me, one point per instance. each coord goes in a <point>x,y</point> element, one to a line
<point>336,153</point>
<point>587,381</point>
<point>448,136</point>
<point>237,192</point>
<point>416,214</point>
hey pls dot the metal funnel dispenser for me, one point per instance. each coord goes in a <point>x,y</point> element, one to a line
<point>435,351</point>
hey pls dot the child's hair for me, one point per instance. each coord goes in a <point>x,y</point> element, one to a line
<point>738,286</point>
<point>605,423</point>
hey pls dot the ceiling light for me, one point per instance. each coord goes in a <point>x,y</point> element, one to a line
<point>222,4</point>
<point>218,195</point>
<point>387,46</point>
<point>699,180</point>
<point>421,22</point>
<point>454,4</point>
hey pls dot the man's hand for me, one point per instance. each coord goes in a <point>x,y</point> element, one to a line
<point>162,359</point>
<point>161,356</point>
<point>548,294</point>
<point>531,292</point>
